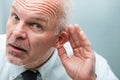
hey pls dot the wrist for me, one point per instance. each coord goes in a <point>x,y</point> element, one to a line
<point>93,77</point>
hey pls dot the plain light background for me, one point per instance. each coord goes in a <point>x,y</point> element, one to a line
<point>100,20</point>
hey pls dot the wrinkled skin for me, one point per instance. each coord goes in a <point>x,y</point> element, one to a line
<point>81,66</point>
<point>30,32</point>
<point>31,39</point>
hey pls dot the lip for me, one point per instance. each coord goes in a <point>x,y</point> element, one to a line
<point>17,51</point>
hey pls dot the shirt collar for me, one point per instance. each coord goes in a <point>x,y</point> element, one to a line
<point>47,67</point>
<point>15,71</point>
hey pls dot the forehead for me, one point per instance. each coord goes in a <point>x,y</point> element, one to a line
<point>48,8</point>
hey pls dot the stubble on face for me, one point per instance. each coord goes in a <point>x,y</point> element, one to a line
<point>48,8</point>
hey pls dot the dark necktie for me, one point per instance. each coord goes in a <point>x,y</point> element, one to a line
<point>30,75</point>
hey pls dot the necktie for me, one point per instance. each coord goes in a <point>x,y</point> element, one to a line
<point>30,75</point>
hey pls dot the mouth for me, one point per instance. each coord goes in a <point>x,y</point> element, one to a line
<point>18,48</point>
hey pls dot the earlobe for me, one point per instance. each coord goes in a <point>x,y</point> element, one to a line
<point>62,39</point>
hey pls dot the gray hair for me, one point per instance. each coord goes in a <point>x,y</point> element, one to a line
<point>64,19</point>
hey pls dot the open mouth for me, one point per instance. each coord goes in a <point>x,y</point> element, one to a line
<point>19,48</point>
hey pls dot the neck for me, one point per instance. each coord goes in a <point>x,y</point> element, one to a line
<point>35,65</point>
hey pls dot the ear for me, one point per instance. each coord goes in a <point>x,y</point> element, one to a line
<point>62,39</point>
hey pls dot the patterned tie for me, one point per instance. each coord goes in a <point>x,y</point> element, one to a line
<point>30,75</point>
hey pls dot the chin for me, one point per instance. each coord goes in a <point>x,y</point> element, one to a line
<point>14,60</point>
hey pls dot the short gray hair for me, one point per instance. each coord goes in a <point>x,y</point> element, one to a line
<point>64,19</point>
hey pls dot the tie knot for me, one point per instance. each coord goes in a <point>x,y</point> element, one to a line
<point>30,75</point>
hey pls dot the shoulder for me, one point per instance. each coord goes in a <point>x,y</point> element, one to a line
<point>2,40</point>
<point>2,36</point>
<point>2,45</point>
<point>4,64</point>
<point>100,59</point>
<point>2,49</point>
<point>102,69</point>
<point>100,64</point>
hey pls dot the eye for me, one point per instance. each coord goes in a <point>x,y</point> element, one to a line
<point>15,17</point>
<point>36,26</point>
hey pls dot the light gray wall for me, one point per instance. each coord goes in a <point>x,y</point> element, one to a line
<point>4,13</point>
<point>100,19</point>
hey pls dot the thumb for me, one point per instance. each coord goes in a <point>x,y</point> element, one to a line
<point>62,54</point>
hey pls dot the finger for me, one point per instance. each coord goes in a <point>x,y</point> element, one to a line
<point>74,40</point>
<point>62,54</point>
<point>85,49</point>
<point>84,41</point>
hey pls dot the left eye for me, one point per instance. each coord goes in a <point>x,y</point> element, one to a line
<point>37,26</point>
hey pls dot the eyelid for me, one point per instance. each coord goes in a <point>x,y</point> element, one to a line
<point>32,24</point>
<point>35,28</point>
<point>13,14</point>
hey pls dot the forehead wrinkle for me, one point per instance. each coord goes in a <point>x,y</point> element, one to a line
<point>49,8</point>
<point>36,18</point>
<point>49,5</point>
<point>27,7</point>
<point>52,6</point>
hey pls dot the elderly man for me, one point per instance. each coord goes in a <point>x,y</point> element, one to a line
<point>36,33</point>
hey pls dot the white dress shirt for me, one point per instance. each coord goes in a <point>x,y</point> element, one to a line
<point>51,70</point>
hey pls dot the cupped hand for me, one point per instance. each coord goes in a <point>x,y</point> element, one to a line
<point>81,65</point>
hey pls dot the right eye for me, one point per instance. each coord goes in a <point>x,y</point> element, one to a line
<point>15,17</point>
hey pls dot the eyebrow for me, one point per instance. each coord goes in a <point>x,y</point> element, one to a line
<point>39,19</point>
<point>34,18</point>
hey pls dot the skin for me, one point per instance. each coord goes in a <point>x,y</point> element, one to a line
<point>28,29</point>
<point>81,66</point>
<point>31,39</point>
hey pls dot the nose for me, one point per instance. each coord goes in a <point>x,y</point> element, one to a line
<point>20,32</point>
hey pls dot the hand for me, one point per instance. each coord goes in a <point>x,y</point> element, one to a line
<point>81,66</point>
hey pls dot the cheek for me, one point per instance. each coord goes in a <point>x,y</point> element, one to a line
<point>10,27</point>
<point>43,42</point>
